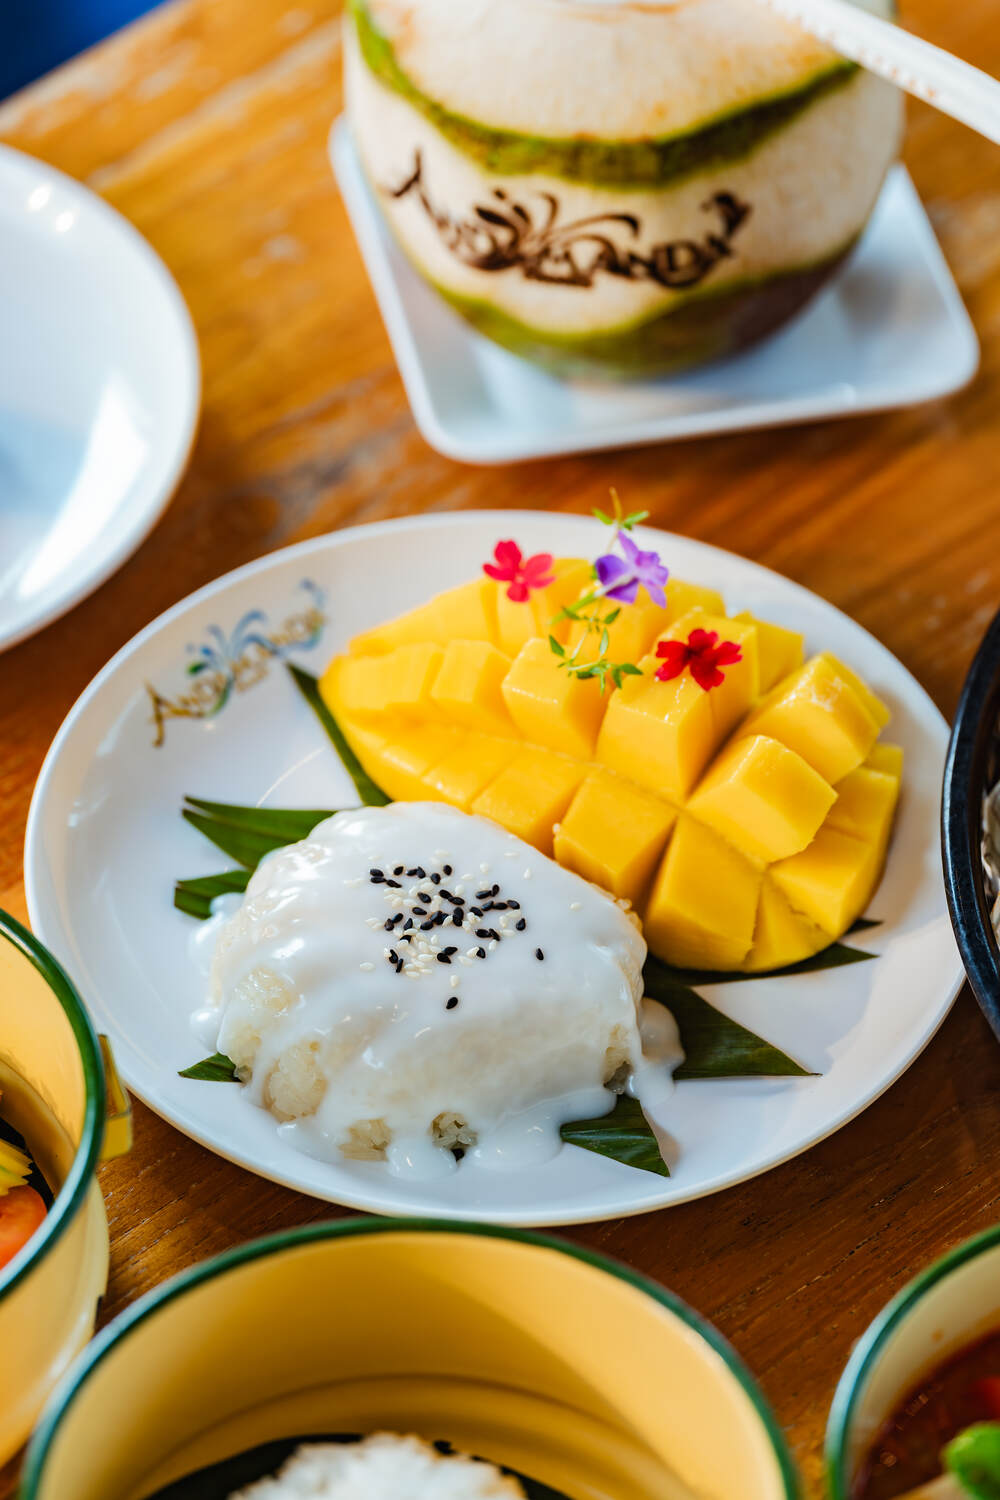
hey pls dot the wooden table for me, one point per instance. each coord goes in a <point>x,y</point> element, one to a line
<point>206,124</point>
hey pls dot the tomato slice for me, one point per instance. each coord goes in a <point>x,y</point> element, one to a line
<point>21,1212</point>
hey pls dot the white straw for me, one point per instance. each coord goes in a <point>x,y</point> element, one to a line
<point>952,86</point>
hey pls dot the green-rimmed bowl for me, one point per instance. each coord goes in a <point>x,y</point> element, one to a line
<point>60,1093</point>
<point>520,1348</point>
<point>950,1305</point>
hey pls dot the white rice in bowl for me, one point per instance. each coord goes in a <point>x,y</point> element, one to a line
<point>382,1467</point>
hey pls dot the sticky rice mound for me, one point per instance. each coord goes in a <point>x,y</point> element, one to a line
<point>382,1467</point>
<point>410,979</point>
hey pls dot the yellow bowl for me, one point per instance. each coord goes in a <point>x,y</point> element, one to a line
<point>53,1078</point>
<point>518,1347</point>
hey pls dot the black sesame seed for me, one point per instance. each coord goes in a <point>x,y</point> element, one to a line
<point>514,905</point>
<point>420,872</point>
<point>449,950</point>
<point>427,896</point>
<point>450,1004</point>
<point>426,926</point>
<point>375,870</point>
<point>407,924</point>
<point>539,954</point>
<point>480,952</point>
<point>407,937</point>
<point>435,879</point>
<point>377,879</point>
<point>456,919</point>
<point>412,872</point>
<point>418,911</point>
<point>476,911</point>
<point>484,895</point>
<point>398,870</point>
<point>388,925</point>
<point>447,896</point>
<point>440,918</point>
<point>520,924</point>
<point>393,956</point>
<point>447,869</point>
<point>443,958</point>
<point>482,932</point>
<point>395,884</point>
<point>494,935</point>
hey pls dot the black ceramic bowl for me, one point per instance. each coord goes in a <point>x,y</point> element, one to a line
<point>971,771</point>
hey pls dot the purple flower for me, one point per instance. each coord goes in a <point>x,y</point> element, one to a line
<point>620,577</point>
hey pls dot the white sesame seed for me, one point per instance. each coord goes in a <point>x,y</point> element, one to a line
<point>459,890</point>
<point>510,854</point>
<point>367,968</point>
<point>359,881</point>
<point>468,962</point>
<point>489,949</point>
<point>575,905</point>
<point>455,981</point>
<point>484,869</point>
<point>441,854</point>
<point>471,952</point>
<point>527,874</point>
<point>373,922</point>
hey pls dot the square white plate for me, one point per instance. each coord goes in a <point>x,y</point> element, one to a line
<point>890,330</point>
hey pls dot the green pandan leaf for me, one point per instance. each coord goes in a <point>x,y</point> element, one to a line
<point>974,1459</point>
<point>246,834</point>
<point>195,897</point>
<point>836,956</point>
<point>624,1135</point>
<point>280,825</point>
<point>714,1046</point>
<point>308,685</point>
<point>215,1069</point>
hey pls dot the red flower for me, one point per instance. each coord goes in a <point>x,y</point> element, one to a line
<point>521,573</point>
<point>702,653</point>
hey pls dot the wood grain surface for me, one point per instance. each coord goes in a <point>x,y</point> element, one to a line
<point>206,125</point>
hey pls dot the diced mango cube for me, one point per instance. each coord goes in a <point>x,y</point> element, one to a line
<point>763,798</point>
<point>817,713</point>
<point>661,734</point>
<point>629,637</point>
<point>684,597</point>
<point>886,758</point>
<point>780,650</point>
<point>878,710</point>
<point>551,706</point>
<point>613,834</point>
<point>531,794</point>
<point>866,802</point>
<point>399,767</point>
<point>468,767</point>
<point>468,687</point>
<point>399,682</point>
<point>519,621</point>
<point>733,698</point>
<point>832,881</point>
<point>703,905</point>
<point>468,612</point>
<point>781,937</point>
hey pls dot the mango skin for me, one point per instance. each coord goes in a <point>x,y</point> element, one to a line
<point>748,825</point>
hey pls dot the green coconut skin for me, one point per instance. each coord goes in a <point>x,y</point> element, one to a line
<point>706,327</point>
<point>640,164</point>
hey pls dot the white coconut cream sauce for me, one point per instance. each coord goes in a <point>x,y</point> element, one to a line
<point>410,979</point>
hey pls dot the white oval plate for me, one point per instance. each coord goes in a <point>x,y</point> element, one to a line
<point>106,842</point>
<point>99,392</point>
